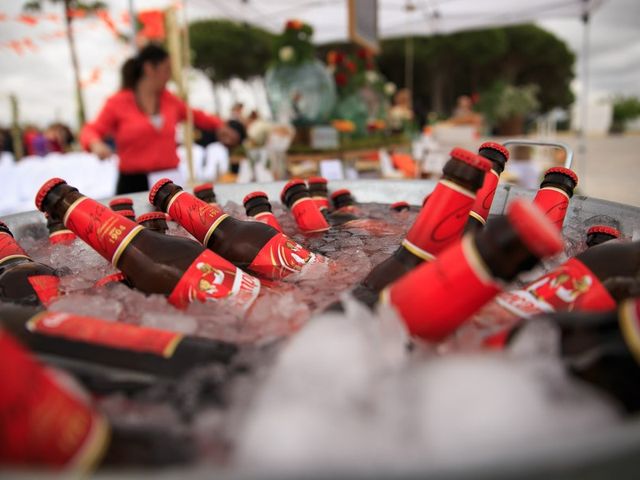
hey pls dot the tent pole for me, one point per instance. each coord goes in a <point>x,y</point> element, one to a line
<point>584,95</point>
<point>132,17</point>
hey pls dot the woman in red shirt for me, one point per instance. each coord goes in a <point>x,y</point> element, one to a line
<point>142,119</point>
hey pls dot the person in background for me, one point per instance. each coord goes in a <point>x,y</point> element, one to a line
<point>142,119</point>
<point>464,114</point>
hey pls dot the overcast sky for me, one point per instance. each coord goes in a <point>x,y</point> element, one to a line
<point>42,80</point>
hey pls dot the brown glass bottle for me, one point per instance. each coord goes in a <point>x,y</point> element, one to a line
<point>555,192</point>
<point>21,279</point>
<point>344,208</point>
<point>434,299</point>
<point>593,280</point>
<point>400,207</point>
<point>257,206</point>
<point>206,193</point>
<point>438,225</point>
<point>598,234</point>
<point>108,355</point>
<point>498,155</point>
<point>319,192</point>
<point>47,424</point>
<point>152,263</point>
<point>154,221</point>
<point>308,216</point>
<point>601,348</point>
<point>254,246</point>
<point>124,206</point>
<point>58,233</point>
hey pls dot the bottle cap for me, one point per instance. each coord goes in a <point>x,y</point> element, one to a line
<point>253,195</point>
<point>120,201</point>
<point>470,158</point>
<point>614,232</point>
<point>399,205</point>
<point>290,184</point>
<point>4,228</point>
<point>564,171</point>
<point>497,147</point>
<point>204,186</point>
<point>156,187</point>
<point>145,217</point>
<point>317,180</point>
<point>45,189</point>
<point>342,191</point>
<point>538,234</point>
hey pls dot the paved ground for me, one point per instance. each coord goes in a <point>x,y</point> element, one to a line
<point>611,168</point>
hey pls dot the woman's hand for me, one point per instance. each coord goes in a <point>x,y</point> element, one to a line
<point>101,149</point>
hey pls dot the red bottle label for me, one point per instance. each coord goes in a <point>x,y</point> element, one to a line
<point>47,287</point>
<point>106,231</point>
<point>211,277</point>
<point>572,286</point>
<point>554,203</point>
<point>96,331</point>
<point>437,297</point>
<point>43,422</point>
<point>281,257</point>
<point>484,197</point>
<point>321,202</point>
<point>442,222</point>
<point>9,248</point>
<point>64,237</point>
<point>198,218</point>
<point>113,278</point>
<point>270,219</point>
<point>308,217</point>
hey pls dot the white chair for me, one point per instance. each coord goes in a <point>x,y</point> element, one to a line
<point>332,169</point>
<point>245,172</point>
<point>260,168</point>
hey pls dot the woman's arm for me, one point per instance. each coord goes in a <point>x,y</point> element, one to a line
<point>92,133</point>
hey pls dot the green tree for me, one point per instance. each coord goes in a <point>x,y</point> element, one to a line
<point>625,109</point>
<point>71,6</point>
<point>225,49</point>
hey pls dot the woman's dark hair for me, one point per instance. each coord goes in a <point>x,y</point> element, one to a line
<point>133,69</point>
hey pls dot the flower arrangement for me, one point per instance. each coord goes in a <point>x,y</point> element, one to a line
<point>293,46</point>
<point>352,72</point>
<point>343,126</point>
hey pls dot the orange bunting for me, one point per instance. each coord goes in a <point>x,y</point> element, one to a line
<point>28,19</point>
<point>52,17</point>
<point>125,17</point>
<point>16,46</point>
<point>76,13</point>
<point>3,17</point>
<point>94,77</point>
<point>106,19</point>
<point>152,24</point>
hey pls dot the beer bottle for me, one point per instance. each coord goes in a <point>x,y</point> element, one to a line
<point>439,224</point>
<point>400,207</point>
<point>598,234</point>
<point>319,192</point>
<point>295,196</point>
<point>107,355</point>
<point>498,155</point>
<point>257,206</point>
<point>555,191</point>
<point>58,233</point>
<point>601,348</point>
<point>21,279</point>
<point>593,280</point>
<point>124,206</point>
<point>437,297</point>
<point>155,221</point>
<point>174,266</point>
<point>49,424</point>
<point>205,193</point>
<point>253,246</point>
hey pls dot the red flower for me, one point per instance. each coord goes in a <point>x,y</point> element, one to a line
<point>339,58</point>
<point>363,53</point>
<point>369,65</point>
<point>341,79</point>
<point>350,66</point>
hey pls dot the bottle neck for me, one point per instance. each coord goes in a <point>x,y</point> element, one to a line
<point>10,252</point>
<point>199,218</point>
<point>106,231</point>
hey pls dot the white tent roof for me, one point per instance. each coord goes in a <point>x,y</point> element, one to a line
<point>329,17</point>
